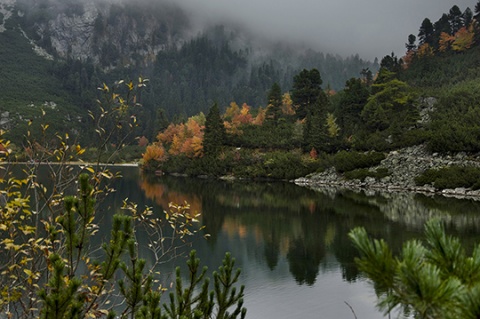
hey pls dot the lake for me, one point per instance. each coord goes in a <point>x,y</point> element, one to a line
<point>291,242</point>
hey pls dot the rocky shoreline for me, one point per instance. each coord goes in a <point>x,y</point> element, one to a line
<point>404,165</point>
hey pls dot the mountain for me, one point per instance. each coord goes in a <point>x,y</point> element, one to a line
<point>55,53</point>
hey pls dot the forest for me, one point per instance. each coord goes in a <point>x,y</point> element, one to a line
<point>187,73</point>
<point>429,96</point>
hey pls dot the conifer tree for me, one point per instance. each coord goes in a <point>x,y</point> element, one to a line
<point>214,136</point>
<point>425,33</point>
<point>432,280</point>
<point>274,108</point>
<point>306,91</point>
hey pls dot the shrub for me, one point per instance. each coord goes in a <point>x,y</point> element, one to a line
<point>451,177</point>
<point>348,161</point>
<point>363,173</point>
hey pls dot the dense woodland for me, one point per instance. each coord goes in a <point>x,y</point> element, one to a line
<point>187,73</point>
<point>428,96</point>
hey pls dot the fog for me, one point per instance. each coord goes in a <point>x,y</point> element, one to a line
<point>371,28</point>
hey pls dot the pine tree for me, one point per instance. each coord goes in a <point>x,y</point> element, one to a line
<point>425,33</point>
<point>274,108</point>
<point>306,91</point>
<point>410,45</point>
<point>435,280</point>
<point>214,136</point>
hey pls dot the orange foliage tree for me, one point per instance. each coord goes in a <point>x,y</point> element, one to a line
<point>463,39</point>
<point>445,41</point>
<point>155,152</point>
<point>425,50</point>
<point>184,138</point>
<point>236,117</point>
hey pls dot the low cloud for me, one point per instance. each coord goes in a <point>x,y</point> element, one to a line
<point>371,28</point>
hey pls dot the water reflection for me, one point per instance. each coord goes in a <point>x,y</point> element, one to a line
<point>292,242</point>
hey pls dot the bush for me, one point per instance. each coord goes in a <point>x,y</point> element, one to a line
<point>363,173</point>
<point>348,161</point>
<point>451,177</point>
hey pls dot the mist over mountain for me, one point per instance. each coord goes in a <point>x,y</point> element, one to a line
<point>192,60</point>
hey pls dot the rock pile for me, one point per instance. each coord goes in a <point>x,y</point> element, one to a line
<point>404,165</point>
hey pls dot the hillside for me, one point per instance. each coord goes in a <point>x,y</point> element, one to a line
<point>61,51</point>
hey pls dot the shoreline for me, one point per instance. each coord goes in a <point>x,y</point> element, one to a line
<point>74,163</point>
<point>404,164</point>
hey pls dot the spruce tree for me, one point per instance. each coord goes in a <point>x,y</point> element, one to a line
<point>306,91</point>
<point>274,111</point>
<point>214,136</point>
<point>425,33</point>
<point>430,279</point>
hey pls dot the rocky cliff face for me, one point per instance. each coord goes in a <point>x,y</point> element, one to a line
<point>106,32</point>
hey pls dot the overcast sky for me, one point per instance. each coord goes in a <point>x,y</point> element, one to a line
<point>371,28</point>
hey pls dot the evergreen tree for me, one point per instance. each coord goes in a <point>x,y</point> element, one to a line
<point>467,17</point>
<point>214,136</point>
<point>274,108</point>
<point>456,19</point>
<point>391,63</point>
<point>161,120</point>
<point>354,97</point>
<point>306,91</point>
<point>435,280</point>
<point>477,11</point>
<point>425,33</point>
<point>442,25</point>
<point>315,133</point>
<point>410,45</point>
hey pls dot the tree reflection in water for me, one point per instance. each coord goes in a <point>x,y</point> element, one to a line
<point>306,227</point>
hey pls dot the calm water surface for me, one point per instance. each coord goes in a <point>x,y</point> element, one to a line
<point>291,242</point>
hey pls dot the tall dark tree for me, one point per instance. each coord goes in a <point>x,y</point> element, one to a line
<point>425,33</point>
<point>456,19</point>
<point>391,63</point>
<point>274,108</point>
<point>315,133</point>
<point>367,76</point>
<point>354,97</point>
<point>410,45</point>
<point>306,91</point>
<point>214,136</point>
<point>467,17</point>
<point>442,25</point>
<point>477,11</point>
<point>161,120</point>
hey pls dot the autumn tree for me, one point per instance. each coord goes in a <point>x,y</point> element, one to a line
<point>184,138</point>
<point>445,42</point>
<point>425,50</point>
<point>287,104</point>
<point>463,39</point>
